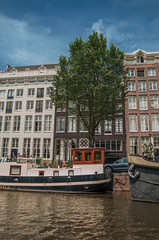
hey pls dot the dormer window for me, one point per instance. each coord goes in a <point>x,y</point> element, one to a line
<point>140,59</point>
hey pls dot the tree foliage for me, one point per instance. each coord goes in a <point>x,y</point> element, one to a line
<point>93,79</point>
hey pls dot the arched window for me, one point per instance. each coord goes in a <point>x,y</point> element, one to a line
<point>140,59</point>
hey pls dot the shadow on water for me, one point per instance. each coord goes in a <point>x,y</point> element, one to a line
<point>26,216</point>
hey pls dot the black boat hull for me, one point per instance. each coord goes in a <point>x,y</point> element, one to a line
<point>144,181</point>
<point>98,183</point>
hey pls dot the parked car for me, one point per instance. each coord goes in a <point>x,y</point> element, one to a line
<point>118,165</point>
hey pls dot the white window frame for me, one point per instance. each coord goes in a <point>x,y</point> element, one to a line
<point>18,105</point>
<point>131,86</point>
<point>28,123</point>
<point>72,124</point>
<point>153,85</point>
<point>131,72</point>
<point>143,102</point>
<point>151,72</point>
<point>107,127</point>
<point>119,125</point>
<point>31,92</point>
<point>38,123</point>
<point>16,123</point>
<point>47,123</point>
<point>132,103</point>
<point>60,124</point>
<point>144,123</point>
<point>30,105</point>
<point>154,101</point>
<point>133,123</point>
<point>142,86</point>
<point>155,122</point>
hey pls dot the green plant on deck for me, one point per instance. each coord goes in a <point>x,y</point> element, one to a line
<point>149,150</point>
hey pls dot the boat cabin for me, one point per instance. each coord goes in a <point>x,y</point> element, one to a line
<point>88,156</point>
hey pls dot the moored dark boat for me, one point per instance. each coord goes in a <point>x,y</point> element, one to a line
<point>144,179</point>
<point>85,176</point>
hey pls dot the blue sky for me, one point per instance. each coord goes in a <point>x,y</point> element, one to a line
<point>39,31</point>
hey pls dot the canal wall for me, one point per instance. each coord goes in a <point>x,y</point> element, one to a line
<point>121,182</point>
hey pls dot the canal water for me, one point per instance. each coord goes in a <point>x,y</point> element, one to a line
<point>29,216</point>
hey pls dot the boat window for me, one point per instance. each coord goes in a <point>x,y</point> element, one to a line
<point>15,170</point>
<point>78,156</point>
<point>41,173</point>
<point>87,156</point>
<point>70,172</point>
<point>55,173</point>
<point>97,156</point>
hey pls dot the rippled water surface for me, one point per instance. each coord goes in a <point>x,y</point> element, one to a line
<point>32,216</point>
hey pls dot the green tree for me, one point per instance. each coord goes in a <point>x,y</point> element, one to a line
<point>92,78</point>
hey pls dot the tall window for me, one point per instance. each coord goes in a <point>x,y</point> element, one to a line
<point>39,106</point>
<point>5,147</point>
<point>133,126</point>
<point>10,94</point>
<point>131,86</point>
<point>31,92</point>
<point>15,142</point>
<point>47,123</point>
<point>9,107</point>
<point>19,92</point>
<point>131,73</point>
<point>144,122</point>
<point>40,93</point>
<point>48,104</point>
<point>7,123</point>
<point>60,124</point>
<point>119,125</point>
<point>134,149</point>
<point>1,118</point>
<point>36,147</point>
<point>142,86</point>
<point>29,105</point>
<point>38,123</point>
<point>16,124</point>
<point>1,106</point>
<point>26,146</point>
<point>154,101</point>
<point>143,103</point>
<point>155,122</point>
<point>107,127</point>
<point>46,148</point>
<point>18,105</point>
<point>72,124</point>
<point>2,93</point>
<point>151,72</point>
<point>28,123</point>
<point>152,85</point>
<point>132,102</point>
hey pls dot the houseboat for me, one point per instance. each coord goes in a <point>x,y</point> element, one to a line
<point>144,178</point>
<point>84,175</point>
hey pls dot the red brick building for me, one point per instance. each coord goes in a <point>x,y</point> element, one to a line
<point>142,106</point>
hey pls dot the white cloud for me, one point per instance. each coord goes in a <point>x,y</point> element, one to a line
<point>115,33</point>
<point>22,44</point>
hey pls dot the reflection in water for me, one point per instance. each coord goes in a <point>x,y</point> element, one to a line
<point>26,216</point>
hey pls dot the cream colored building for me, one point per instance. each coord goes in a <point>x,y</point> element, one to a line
<point>26,111</point>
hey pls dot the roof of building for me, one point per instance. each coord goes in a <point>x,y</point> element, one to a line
<point>31,67</point>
